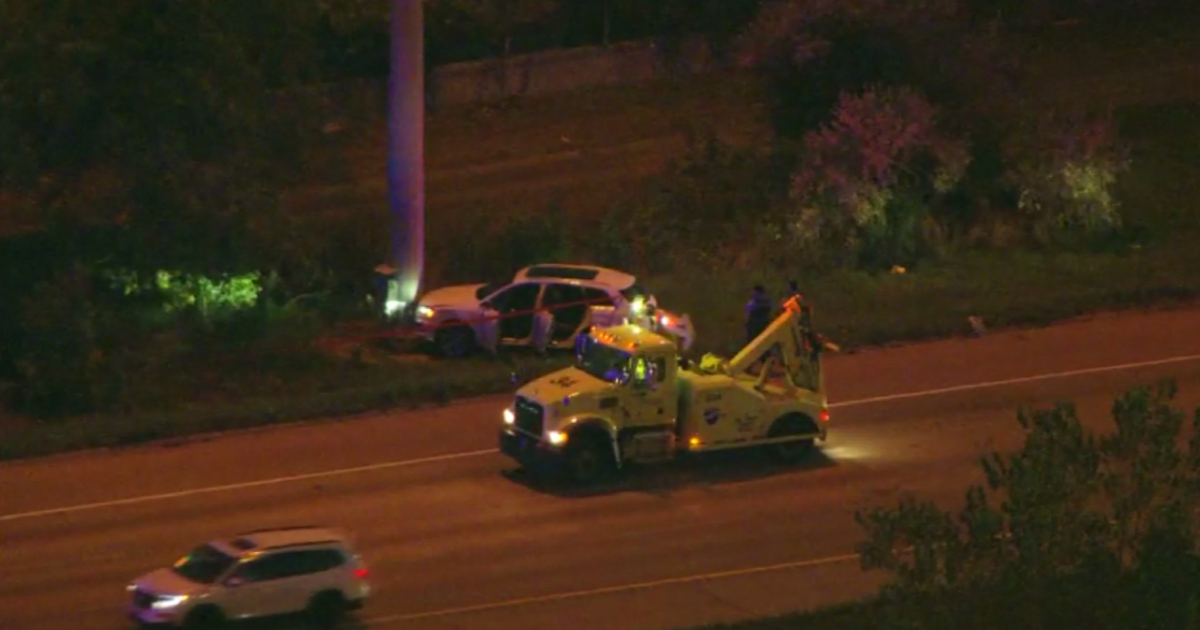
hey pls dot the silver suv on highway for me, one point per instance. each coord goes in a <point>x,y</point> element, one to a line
<point>263,573</point>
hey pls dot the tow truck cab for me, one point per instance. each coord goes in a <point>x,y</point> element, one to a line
<point>630,398</point>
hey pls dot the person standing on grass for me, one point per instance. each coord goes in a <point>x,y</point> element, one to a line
<point>758,313</point>
<point>543,328</point>
<point>487,331</point>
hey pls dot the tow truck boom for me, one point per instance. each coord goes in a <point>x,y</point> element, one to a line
<point>789,340</point>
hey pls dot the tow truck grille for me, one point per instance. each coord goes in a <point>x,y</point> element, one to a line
<point>529,417</point>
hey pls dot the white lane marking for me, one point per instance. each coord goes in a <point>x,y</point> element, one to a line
<point>453,456</point>
<point>1017,381</point>
<point>636,586</point>
<point>245,484</point>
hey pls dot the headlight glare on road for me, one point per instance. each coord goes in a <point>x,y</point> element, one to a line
<point>509,417</point>
<point>557,438</point>
<point>168,601</point>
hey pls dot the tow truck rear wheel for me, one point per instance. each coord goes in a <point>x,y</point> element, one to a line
<point>588,459</point>
<point>792,451</point>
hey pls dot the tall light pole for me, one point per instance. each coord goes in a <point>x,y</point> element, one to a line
<point>406,152</point>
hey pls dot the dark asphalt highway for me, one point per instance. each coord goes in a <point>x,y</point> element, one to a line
<point>456,543</point>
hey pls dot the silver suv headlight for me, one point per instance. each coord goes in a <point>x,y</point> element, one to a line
<point>168,601</point>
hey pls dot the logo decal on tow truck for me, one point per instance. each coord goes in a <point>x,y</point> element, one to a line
<point>712,415</point>
<point>564,381</point>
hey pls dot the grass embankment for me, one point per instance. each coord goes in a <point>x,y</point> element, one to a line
<point>247,394</point>
<point>1004,288</point>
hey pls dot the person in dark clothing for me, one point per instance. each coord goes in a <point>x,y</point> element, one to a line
<point>758,313</point>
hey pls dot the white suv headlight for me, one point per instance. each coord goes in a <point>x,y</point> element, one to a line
<point>168,601</point>
<point>509,416</point>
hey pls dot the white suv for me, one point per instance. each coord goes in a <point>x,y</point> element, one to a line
<point>263,573</point>
<point>578,295</point>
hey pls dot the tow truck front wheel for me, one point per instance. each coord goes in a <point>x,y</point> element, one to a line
<point>791,451</point>
<point>588,459</point>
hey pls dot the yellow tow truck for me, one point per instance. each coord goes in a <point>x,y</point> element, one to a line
<point>630,399</point>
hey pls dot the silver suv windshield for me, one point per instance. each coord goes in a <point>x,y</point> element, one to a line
<point>602,361</point>
<point>204,564</point>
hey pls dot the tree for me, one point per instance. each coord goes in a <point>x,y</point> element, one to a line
<point>816,49</point>
<point>1064,167</point>
<point>166,117</point>
<point>1070,504</point>
<point>868,180</point>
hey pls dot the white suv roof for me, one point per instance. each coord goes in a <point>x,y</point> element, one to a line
<point>618,280</point>
<point>264,539</point>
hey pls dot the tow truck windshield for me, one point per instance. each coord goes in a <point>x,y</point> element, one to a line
<point>602,361</point>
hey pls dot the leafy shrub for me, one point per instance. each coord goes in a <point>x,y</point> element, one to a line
<point>1064,167</point>
<point>1068,503</point>
<point>866,180</point>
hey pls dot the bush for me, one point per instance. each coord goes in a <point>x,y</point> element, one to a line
<point>1069,504</point>
<point>1064,167</point>
<point>869,181</point>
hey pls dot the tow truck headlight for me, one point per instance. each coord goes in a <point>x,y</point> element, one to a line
<point>637,306</point>
<point>557,438</point>
<point>168,601</point>
<point>509,417</point>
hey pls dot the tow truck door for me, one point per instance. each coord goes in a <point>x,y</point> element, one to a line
<point>652,401</point>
